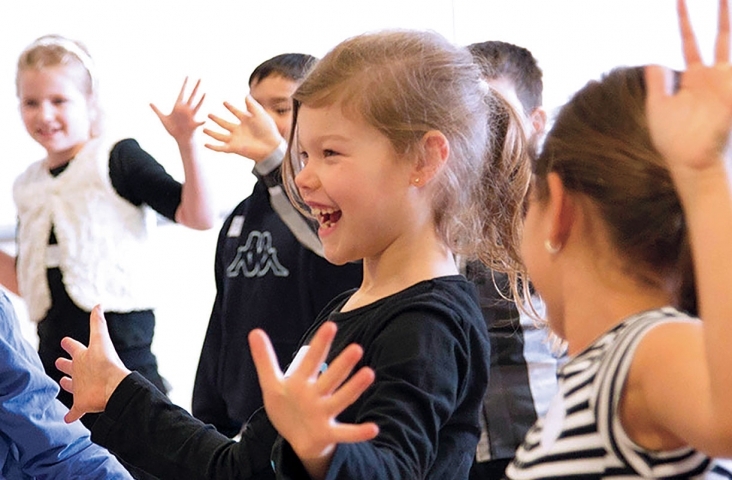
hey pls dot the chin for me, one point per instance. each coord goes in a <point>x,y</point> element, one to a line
<point>335,258</point>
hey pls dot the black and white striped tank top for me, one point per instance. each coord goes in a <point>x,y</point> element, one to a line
<point>581,435</point>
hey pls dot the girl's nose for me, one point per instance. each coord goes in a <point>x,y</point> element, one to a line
<point>47,111</point>
<point>306,180</point>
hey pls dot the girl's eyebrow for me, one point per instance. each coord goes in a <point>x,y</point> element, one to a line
<point>329,136</point>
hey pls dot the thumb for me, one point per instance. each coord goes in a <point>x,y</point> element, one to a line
<point>73,415</point>
<point>265,359</point>
<point>253,106</point>
<point>98,330</point>
<point>157,111</point>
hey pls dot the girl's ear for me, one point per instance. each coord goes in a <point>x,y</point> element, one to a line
<point>435,148</point>
<point>561,211</point>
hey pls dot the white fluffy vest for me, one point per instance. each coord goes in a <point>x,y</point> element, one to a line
<point>100,236</point>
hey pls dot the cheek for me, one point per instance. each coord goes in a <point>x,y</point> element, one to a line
<point>283,126</point>
<point>27,116</point>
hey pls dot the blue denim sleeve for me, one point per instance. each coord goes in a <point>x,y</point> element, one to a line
<point>35,442</point>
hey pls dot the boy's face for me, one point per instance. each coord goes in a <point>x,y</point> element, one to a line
<point>274,93</point>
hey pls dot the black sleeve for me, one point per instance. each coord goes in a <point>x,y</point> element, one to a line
<point>143,428</point>
<point>139,178</point>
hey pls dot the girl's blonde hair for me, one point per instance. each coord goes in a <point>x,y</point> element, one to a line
<point>55,50</point>
<point>406,83</point>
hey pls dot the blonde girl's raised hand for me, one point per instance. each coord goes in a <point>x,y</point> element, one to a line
<point>304,403</point>
<point>93,372</point>
<point>254,137</point>
<point>196,209</point>
<point>181,122</point>
<point>691,127</point>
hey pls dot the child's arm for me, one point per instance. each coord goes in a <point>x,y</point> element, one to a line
<point>688,389</point>
<point>196,209</point>
<point>303,406</point>
<point>144,428</point>
<point>141,426</point>
<point>32,417</point>
<point>254,137</point>
<point>8,272</point>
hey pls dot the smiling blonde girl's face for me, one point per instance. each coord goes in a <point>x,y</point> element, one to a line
<point>55,111</point>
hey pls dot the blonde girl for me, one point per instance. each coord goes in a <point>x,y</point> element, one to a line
<point>83,213</point>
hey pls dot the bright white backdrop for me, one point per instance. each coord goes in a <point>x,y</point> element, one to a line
<point>144,49</point>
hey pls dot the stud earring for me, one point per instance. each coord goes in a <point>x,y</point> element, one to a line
<point>551,248</point>
<point>416,181</point>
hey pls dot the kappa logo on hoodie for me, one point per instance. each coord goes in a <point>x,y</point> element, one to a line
<point>256,258</point>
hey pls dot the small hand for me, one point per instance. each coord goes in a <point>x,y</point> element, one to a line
<point>691,127</point>
<point>181,123</point>
<point>93,372</point>
<point>254,137</point>
<point>304,405</point>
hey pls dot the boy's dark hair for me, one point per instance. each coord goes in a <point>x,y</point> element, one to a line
<point>293,66</point>
<point>505,60</point>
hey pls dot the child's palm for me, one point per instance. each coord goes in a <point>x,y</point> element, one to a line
<point>690,128</point>
<point>255,135</point>
<point>303,406</point>
<point>181,123</point>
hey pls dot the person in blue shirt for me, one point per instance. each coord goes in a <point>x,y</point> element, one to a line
<point>35,442</point>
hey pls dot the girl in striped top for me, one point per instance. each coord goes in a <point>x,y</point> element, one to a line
<point>628,237</point>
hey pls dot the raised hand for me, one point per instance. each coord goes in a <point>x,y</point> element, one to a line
<point>181,123</point>
<point>303,405</point>
<point>254,137</point>
<point>93,372</point>
<point>691,127</point>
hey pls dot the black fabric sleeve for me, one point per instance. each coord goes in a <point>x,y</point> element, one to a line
<point>140,179</point>
<point>143,428</point>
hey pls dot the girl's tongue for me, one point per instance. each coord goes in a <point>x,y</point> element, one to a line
<point>327,219</point>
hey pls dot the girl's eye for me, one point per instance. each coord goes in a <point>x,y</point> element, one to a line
<point>59,101</point>
<point>303,157</point>
<point>329,153</point>
<point>283,111</point>
<point>30,103</point>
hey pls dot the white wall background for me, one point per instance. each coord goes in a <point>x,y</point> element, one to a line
<point>144,49</point>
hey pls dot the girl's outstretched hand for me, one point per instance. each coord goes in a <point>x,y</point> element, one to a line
<point>254,137</point>
<point>93,372</point>
<point>181,123</point>
<point>691,127</point>
<point>303,405</point>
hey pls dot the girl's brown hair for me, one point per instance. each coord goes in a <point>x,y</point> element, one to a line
<point>406,83</point>
<point>600,146</point>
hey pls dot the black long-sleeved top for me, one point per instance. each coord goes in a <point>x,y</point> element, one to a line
<point>428,346</point>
